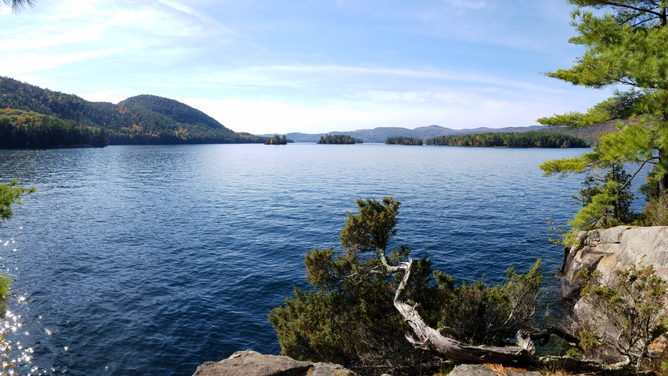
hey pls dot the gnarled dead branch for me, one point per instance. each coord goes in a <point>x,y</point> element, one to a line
<point>429,339</point>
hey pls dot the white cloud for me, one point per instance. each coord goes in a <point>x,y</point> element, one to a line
<point>454,109</point>
<point>20,64</point>
<point>336,75</point>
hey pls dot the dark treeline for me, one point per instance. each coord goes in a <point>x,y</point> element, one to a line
<point>338,139</point>
<point>511,140</point>
<point>21,129</point>
<point>403,141</point>
<point>276,140</point>
<point>144,119</point>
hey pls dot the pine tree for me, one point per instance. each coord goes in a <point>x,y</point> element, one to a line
<point>626,48</point>
<point>17,5</point>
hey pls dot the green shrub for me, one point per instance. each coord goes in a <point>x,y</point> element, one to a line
<point>655,212</point>
<point>349,317</point>
<point>626,314</point>
<point>483,314</point>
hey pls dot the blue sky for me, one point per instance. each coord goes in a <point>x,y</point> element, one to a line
<point>307,65</point>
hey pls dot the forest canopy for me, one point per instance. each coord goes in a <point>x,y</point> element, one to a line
<point>403,141</point>
<point>338,139</point>
<point>530,139</point>
<point>27,129</point>
<point>144,119</point>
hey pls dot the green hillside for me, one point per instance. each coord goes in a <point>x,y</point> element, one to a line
<point>26,129</point>
<point>144,119</point>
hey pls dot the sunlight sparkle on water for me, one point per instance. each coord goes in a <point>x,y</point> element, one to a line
<point>21,355</point>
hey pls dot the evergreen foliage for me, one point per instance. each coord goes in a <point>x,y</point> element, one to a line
<point>530,139</point>
<point>277,140</point>
<point>625,48</point>
<point>349,318</point>
<point>482,314</point>
<point>18,5</point>
<point>607,198</point>
<point>11,194</point>
<point>403,141</point>
<point>628,312</point>
<point>338,139</point>
<point>21,129</point>
<point>144,119</point>
<point>590,134</point>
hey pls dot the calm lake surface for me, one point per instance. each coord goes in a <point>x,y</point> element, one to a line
<point>150,260</point>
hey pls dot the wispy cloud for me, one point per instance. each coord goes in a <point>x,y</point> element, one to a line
<point>302,63</point>
<point>303,75</point>
<point>18,65</point>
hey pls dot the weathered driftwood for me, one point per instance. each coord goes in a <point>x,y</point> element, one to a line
<point>429,339</point>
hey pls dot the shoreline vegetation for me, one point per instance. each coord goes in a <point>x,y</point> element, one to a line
<point>139,120</point>
<point>403,141</point>
<point>277,140</point>
<point>531,139</point>
<point>338,139</point>
<point>29,130</point>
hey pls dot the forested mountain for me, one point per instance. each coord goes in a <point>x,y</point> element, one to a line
<point>144,119</point>
<point>381,134</point>
<point>531,139</point>
<point>589,134</point>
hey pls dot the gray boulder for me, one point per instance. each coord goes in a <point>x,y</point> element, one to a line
<point>481,370</point>
<point>607,250</point>
<point>251,363</point>
<point>616,248</point>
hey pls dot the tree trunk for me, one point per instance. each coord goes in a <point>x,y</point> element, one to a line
<point>429,339</point>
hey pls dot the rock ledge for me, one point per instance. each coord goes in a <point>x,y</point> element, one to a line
<point>252,363</point>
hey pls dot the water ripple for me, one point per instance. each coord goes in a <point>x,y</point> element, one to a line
<point>149,260</point>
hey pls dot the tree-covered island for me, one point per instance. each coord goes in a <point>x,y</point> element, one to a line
<point>338,139</point>
<point>530,139</point>
<point>403,141</point>
<point>277,140</point>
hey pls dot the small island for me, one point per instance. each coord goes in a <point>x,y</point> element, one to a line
<point>403,141</point>
<point>277,140</point>
<point>530,139</point>
<point>338,139</point>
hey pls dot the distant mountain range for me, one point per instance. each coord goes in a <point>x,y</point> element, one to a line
<point>144,119</point>
<point>589,134</point>
<point>380,134</point>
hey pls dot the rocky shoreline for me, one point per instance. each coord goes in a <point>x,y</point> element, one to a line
<point>603,250</point>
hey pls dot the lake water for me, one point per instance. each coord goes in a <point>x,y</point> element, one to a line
<point>150,260</point>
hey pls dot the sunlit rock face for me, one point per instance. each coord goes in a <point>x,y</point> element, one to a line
<point>251,363</point>
<point>607,250</point>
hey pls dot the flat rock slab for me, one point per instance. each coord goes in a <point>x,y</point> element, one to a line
<point>251,363</point>
<point>328,369</point>
<point>481,370</point>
